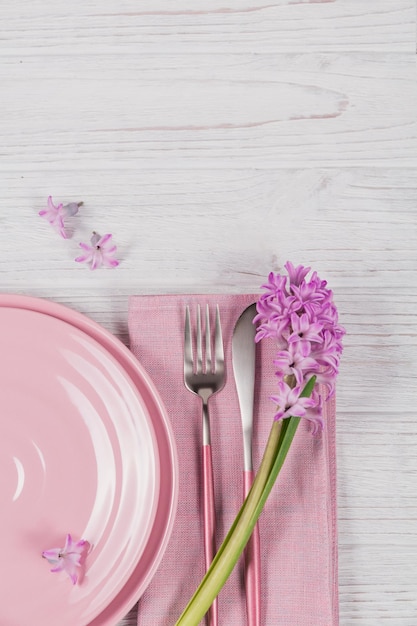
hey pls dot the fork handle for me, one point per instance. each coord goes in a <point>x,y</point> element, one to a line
<point>209,522</point>
<point>252,558</point>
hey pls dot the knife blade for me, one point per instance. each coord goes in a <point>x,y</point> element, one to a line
<point>243,360</point>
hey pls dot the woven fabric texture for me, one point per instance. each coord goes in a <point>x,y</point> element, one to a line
<point>298,525</point>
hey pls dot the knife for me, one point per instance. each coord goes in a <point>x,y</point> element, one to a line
<point>243,359</point>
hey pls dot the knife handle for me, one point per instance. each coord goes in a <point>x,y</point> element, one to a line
<point>209,515</point>
<point>252,558</point>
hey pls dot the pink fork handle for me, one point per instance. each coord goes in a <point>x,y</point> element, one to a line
<point>209,522</point>
<point>252,566</point>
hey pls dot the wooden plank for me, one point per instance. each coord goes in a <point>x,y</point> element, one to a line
<point>249,26</point>
<point>307,110</point>
<point>357,226</point>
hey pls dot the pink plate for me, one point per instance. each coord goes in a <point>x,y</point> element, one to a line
<point>85,448</point>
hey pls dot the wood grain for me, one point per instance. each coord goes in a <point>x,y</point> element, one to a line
<point>242,26</point>
<point>113,113</point>
<point>216,140</point>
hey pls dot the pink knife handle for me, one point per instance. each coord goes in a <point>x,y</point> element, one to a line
<point>252,566</point>
<point>209,521</point>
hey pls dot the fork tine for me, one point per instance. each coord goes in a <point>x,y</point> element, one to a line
<point>199,362</point>
<point>188,344</point>
<point>208,341</point>
<point>218,343</point>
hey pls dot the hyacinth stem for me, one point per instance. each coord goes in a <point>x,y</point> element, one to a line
<point>279,442</point>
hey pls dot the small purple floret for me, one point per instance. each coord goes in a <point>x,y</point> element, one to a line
<point>69,559</point>
<point>55,214</point>
<point>99,253</point>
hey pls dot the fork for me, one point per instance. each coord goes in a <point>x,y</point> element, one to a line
<point>205,377</point>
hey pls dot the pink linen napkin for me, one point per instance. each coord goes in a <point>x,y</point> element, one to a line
<point>298,525</point>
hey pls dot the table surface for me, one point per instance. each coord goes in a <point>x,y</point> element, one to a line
<point>215,140</point>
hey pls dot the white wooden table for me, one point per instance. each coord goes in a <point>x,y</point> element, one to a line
<point>216,139</point>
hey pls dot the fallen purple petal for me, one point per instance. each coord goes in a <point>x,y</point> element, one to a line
<point>69,559</point>
<point>99,253</point>
<point>55,214</point>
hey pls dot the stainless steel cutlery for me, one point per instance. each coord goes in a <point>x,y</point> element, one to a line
<point>205,376</point>
<point>243,359</point>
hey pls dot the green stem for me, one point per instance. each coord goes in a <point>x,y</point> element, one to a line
<point>236,539</point>
<point>279,442</point>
